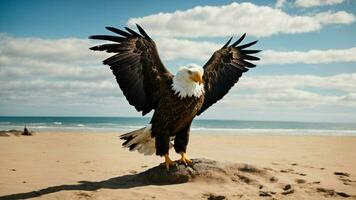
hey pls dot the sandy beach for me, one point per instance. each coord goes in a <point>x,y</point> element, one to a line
<point>63,165</point>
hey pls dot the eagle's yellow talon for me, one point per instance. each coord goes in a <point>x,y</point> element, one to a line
<point>184,159</point>
<point>167,162</point>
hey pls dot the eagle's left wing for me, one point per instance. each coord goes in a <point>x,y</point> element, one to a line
<point>136,65</point>
<point>224,69</point>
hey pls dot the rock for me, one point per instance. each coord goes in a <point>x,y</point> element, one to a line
<point>203,169</point>
<point>181,173</point>
<point>287,187</point>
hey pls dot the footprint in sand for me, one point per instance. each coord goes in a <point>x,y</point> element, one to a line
<point>301,174</point>
<point>286,170</point>
<point>211,196</point>
<point>342,174</point>
<point>265,193</point>
<point>133,172</point>
<point>273,179</point>
<point>292,171</point>
<point>84,195</point>
<point>300,181</point>
<point>331,192</point>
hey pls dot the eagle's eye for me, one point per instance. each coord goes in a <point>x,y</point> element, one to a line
<point>189,72</point>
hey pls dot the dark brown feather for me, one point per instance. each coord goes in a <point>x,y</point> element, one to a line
<point>247,45</point>
<point>250,51</point>
<point>132,32</point>
<point>239,40</point>
<point>118,31</point>
<point>107,37</point>
<point>136,66</point>
<point>143,32</point>
<point>227,43</point>
<point>224,69</point>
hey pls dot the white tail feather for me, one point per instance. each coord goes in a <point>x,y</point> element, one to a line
<point>141,141</point>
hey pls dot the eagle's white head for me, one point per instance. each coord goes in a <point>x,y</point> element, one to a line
<point>188,81</point>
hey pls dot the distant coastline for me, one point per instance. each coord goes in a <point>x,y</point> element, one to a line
<point>125,124</point>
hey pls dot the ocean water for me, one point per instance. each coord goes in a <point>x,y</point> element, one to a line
<point>126,124</point>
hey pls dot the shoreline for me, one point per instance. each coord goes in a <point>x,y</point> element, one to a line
<point>241,132</point>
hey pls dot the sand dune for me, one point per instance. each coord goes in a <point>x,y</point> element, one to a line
<point>94,166</point>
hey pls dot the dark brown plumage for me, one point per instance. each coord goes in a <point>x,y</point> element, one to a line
<point>224,69</point>
<point>147,85</point>
<point>136,66</point>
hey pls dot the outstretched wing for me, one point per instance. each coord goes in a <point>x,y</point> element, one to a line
<point>224,69</point>
<point>136,65</point>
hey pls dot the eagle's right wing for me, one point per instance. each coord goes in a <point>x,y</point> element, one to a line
<point>137,67</point>
<point>224,69</point>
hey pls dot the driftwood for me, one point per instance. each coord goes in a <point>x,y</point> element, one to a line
<point>25,132</point>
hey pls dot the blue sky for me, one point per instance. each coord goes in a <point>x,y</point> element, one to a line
<point>309,47</point>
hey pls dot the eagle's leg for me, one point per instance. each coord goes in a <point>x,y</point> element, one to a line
<point>180,145</point>
<point>184,159</point>
<point>167,161</point>
<point>162,148</point>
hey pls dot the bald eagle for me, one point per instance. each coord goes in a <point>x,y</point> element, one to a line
<point>176,99</point>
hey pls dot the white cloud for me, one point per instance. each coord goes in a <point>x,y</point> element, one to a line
<point>290,97</point>
<point>308,57</point>
<point>280,3</point>
<point>172,49</point>
<point>61,70</point>
<point>286,91</point>
<point>340,82</point>
<point>313,3</point>
<point>329,17</point>
<point>78,82</point>
<point>236,18</point>
<point>68,49</point>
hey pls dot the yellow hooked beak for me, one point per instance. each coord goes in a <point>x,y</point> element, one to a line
<point>197,77</point>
